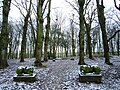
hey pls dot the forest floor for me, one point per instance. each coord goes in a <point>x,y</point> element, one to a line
<point>62,75</point>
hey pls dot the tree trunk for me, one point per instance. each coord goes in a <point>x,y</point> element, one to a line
<point>89,47</point>
<point>58,45</point>
<point>66,52</point>
<point>10,47</point>
<point>73,41</point>
<point>81,33</point>
<point>118,47</point>
<point>24,39</point>
<point>54,45</point>
<point>47,33</point>
<point>34,37</point>
<point>73,44</point>
<point>112,47</point>
<point>50,53</point>
<point>4,34</point>
<point>40,35</point>
<point>101,18</point>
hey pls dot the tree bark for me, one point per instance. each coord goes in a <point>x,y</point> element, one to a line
<point>112,47</point>
<point>118,45</point>
<point>47,33</point>
<point>54,45</point>
<point>24,39</point>
<point>81,33</point>
<point>40,35</point>
<point>89,46</point>
<point>10,42</point>
<point>101,18</point>
<point>4,34</point>
<point>73,41</point>
<point>34,37</point>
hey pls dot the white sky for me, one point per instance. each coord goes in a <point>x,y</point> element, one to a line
<point>60,5</point>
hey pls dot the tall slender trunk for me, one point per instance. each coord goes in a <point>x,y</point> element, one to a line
<point>58,45</point>
<point>40,36</point>
<point>112,47</point>
<point>81,33</point>
<point>118,45</point>
<point>89,46</point>
<point>99,43</point>
<point>24,39</point>
<point>54,45</point>
<point>4,34</point>
<point>101,18</point>
<point>10,47</point>
<point>47,33</point>
<point>73,41</point>
<point>89,42</point>
<point>34,37</point>
<point>50,53</point>
<point>62,48</point>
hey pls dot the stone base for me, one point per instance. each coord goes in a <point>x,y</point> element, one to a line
<point>25,78</point>
<point>90,78</point>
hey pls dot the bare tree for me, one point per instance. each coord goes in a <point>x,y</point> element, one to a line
<point>82,31</point>
<point>90,15</point>
<point>47,33</point>
<point>72,31</point>
<point>4,34</point>
<point>101,18</point>
<point>40,36</point>
<point>24,39</point>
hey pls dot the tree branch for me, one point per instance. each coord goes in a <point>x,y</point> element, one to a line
<point>116,5</point>
<point>18,6</point>
<point>45,7</point>
<point>113,35</point>
<point>72,6</point>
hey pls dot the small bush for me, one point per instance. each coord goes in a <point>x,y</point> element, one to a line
<point>90,69</point>
<point>97,70</point>
<point>19,72</point>
<point>24,70</point>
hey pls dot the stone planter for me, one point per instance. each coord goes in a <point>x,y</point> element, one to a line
<point>25,78</point>
<point>25,74</point>
<point>90,78</point>
<point>90,73</point>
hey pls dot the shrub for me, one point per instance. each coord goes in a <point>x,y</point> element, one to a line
<point>97,70</point>
<point>24,70</point>
<point>90,69</point>
<point>19,72</point>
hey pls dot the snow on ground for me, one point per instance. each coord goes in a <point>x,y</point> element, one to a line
<point>62,75</point>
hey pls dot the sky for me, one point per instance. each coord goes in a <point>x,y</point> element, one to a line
<point>61,5</point>
<point>56,4</point>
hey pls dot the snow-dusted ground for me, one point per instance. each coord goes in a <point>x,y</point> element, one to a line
<point>62,75</point>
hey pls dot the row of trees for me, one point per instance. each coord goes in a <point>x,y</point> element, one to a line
<point>38,35</point>
<point>30,37</point>
<point>83,12</point>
